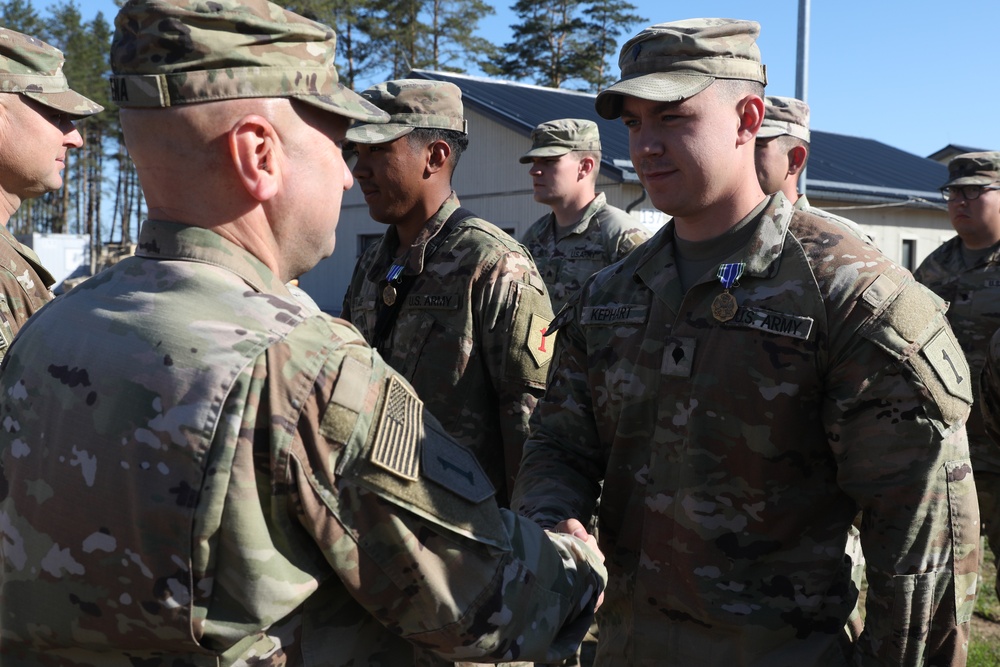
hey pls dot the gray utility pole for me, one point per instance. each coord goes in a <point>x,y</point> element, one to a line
<point>802,67</point>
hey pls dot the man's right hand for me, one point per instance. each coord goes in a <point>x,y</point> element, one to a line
<point>578,530</point>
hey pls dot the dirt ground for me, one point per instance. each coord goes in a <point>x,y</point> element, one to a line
<point>984,629</point>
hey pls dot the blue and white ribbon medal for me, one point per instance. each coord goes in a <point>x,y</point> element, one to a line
<point>724,306</point>
<point>389,292</point>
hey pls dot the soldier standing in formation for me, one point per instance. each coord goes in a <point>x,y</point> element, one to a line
<point>201,471</point>
<point>37,109</point>
<point>744,384</point>
<point>781,152</point>
<point>741,382</point>
<point>965,272</point>
<point>449,300</point>
<point>583,233</point>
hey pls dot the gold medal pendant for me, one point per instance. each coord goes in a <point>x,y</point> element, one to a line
<point>389,295</point>
<point>724,307</point>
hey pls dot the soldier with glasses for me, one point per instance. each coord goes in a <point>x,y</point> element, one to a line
<point>965,272</point>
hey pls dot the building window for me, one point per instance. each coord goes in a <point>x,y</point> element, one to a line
<point>365,241</point>
<point>908,257</point>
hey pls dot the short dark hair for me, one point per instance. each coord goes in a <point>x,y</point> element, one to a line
<point>457,141</point>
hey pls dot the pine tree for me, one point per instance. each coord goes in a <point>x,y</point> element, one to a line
<point>606,21</point>
<point>354,47</point>
<point>21,16</point>
<point>86,47</point>
<point>428,34</point>
<point>546,43</point>
<point>395,27</point>
<point>564,43</point>
<point>356,53</point>
<point>92,82</point>
<point>452,44</point>
<point>385,39</point>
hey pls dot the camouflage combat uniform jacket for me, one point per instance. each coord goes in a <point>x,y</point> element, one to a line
<point>24,286</point>
<point>802,204</point>
<point>989,393</point>
<point>973,296</point>
<point>604,235</point>
<point>204,472</point>
<point>736,454</point>
<point>468,336</point>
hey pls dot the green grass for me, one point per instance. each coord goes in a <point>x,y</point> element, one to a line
<point>984,651</point>
<point>983,654</point>
<point>987,605</point>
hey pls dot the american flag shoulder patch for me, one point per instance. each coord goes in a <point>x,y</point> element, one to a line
<point>397,443</point>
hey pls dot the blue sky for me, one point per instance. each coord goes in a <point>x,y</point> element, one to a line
<point>914,74</point>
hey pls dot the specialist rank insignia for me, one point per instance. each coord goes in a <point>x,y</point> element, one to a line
<point>724,306</point>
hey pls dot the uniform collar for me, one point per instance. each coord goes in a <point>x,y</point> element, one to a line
<point>951,251</point>
<point>583,223</point>
<point>159,239</point>
<point>657,267</point>
<point>985,259</point>
<point>415,257</point>
<point>29,256</point>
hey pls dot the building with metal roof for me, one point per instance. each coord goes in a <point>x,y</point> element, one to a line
<point>892,194</point>
<point>944,155</point>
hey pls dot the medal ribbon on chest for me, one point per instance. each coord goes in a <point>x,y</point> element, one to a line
<point>724,306</point>
<point>392,277</point>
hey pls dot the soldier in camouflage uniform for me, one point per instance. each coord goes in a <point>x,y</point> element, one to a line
<point>200,471</point>
<point>583,233</point>
<point>37,109</point>
<point>965,272</point>
<point>744,383</point>
<point>989,409</point>
<point>470,305</point>
<point>781,152</point>
<point>780,155</point>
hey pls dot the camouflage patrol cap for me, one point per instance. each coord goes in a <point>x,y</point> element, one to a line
<point>558,137</point>
<point>784,115</point>
<point>169,52</point>
<point>981,168</point>
<point>34,69</point>
<point>411,103</point>
<point>670,62</point>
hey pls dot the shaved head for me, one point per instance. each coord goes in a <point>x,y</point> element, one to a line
<point>187,149</point>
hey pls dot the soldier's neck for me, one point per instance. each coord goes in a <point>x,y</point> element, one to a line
<point>567,213</point>
<point>408,228</point>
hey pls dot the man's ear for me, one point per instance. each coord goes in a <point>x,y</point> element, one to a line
<point>253,149</point>
<point>797,159</point>
<point>438,153</point>
<point>751,114</point>
<point>587,166</point>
